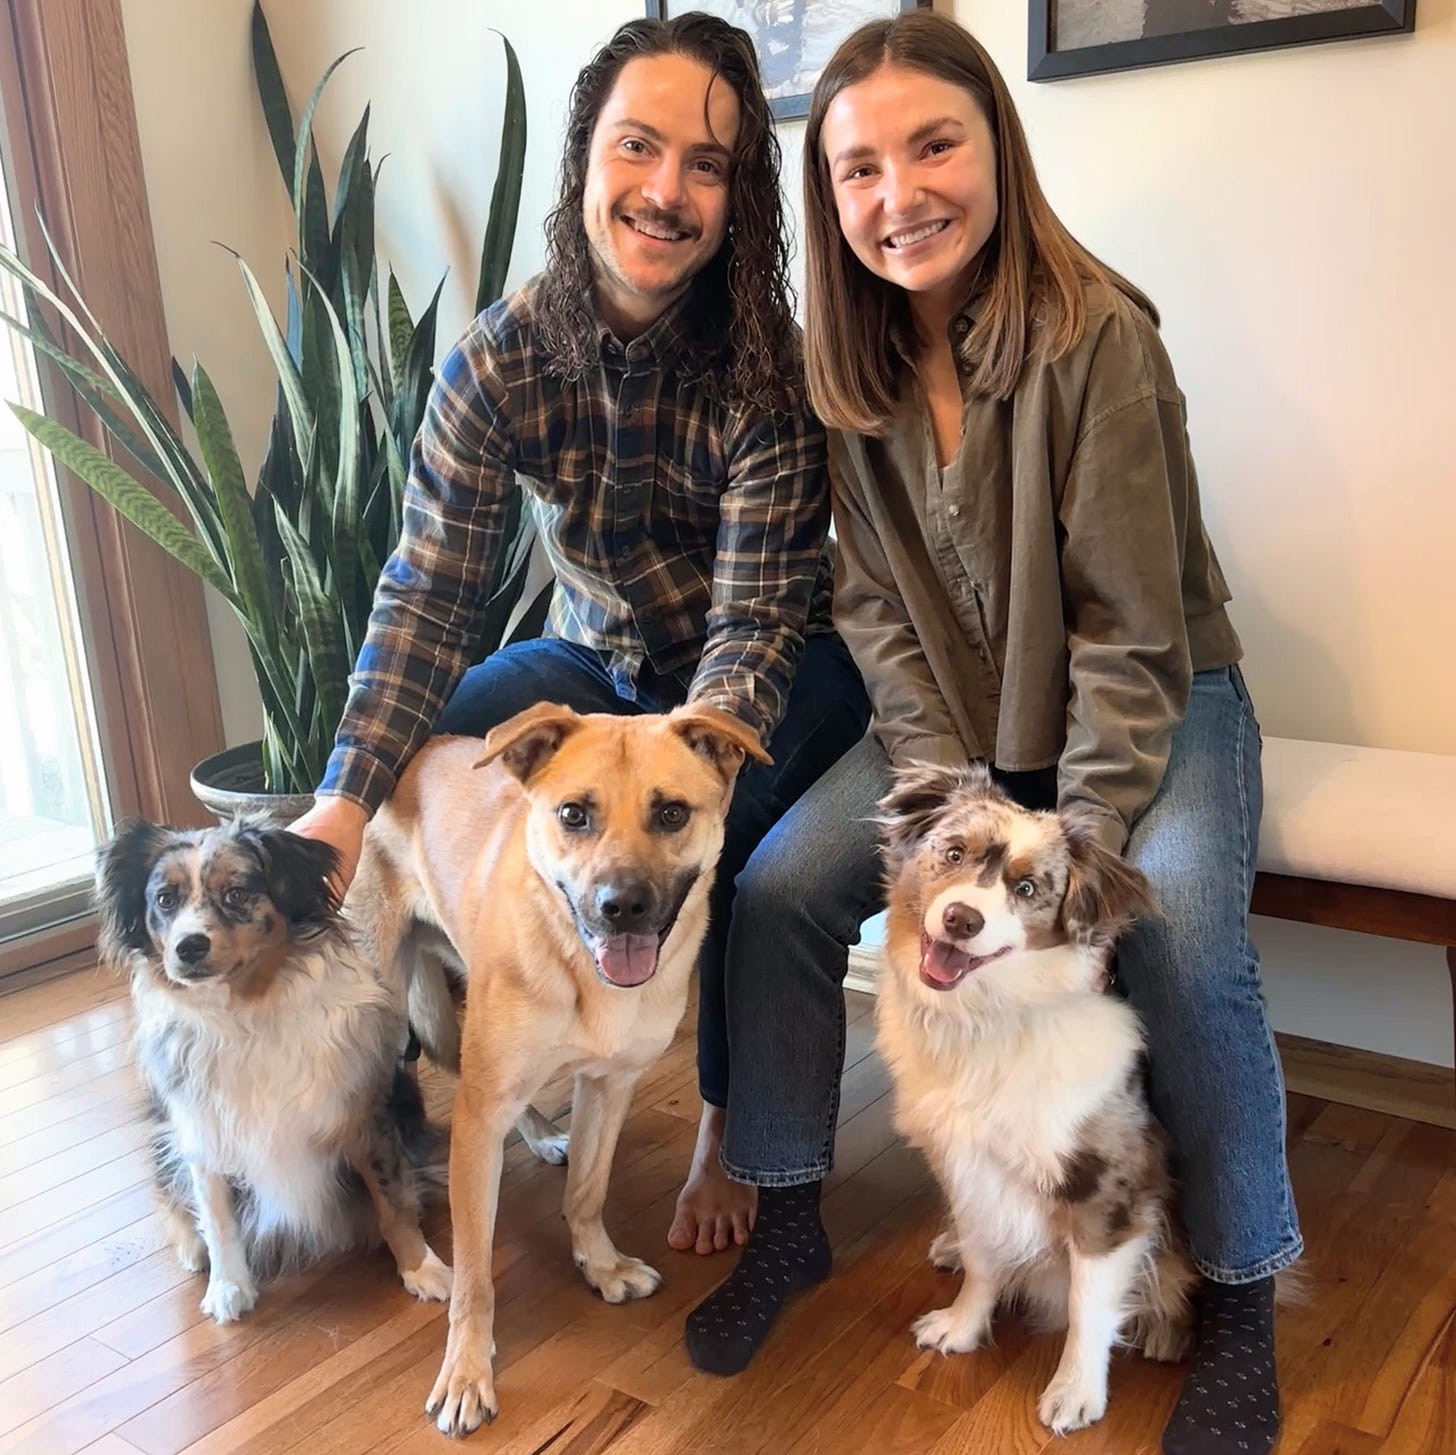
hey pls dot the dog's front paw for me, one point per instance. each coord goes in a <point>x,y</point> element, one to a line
<point>1166,1341</point>
<point>552,1150</point>
<point>463,1398</point>
<point>542,1137</point>
<point>431,1281</point>
<point>944,1330</point>
<point>622,1279</point>
<point>191,1252</point>
<point>945,1252</point>
<point>223,1302</point>
<point>1069,1404</point>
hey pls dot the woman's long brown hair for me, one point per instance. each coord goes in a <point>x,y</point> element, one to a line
<point>1033,271</point>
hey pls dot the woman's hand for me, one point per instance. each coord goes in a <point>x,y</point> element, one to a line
<point>340,823</point>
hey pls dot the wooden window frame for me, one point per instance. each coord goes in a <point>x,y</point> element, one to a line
<point>70,145</point>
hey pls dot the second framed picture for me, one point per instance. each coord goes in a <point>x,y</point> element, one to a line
<point>1081,37</point>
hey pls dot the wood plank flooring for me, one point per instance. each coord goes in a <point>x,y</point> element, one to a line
<point>103,1349</point>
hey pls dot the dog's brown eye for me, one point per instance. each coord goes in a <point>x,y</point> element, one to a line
<point>235,898</point>
<point>672,815</point>
<point>955,854</point>
<point>166,899</point>
<point>1026,888</point>
<point>572,816</point>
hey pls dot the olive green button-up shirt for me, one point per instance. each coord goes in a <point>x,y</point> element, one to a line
<point>1045,599</point>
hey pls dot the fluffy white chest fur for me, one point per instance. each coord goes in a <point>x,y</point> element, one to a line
<point>265,1094</point>
<point>995,1098</point>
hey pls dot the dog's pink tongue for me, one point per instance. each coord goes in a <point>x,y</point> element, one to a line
<point>942,963</point>
<point>628,959</point>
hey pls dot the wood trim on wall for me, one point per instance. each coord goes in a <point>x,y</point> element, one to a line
<point>1415,1090</point>
<point>1421,919</point>
<point>48,953</point>
<point>72,150</point>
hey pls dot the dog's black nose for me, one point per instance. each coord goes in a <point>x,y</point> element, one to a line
<point>962,922</point>
<point>192,948</point>
<point>625,905</point>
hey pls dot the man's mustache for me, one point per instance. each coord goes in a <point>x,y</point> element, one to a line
<point>653,217</point>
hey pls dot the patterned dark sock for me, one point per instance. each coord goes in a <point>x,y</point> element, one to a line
<point>787,1251</point>
<point>1230,1402</point>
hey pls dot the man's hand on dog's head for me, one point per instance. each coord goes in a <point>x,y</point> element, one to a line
<point>340,823</point>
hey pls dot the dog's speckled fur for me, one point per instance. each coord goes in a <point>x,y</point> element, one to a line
<point>266,1037</point>
<point>1021,1079</point>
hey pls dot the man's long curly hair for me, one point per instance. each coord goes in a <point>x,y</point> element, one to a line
<point>743,345</point>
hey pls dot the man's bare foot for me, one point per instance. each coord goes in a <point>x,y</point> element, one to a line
<point>712,1210</point>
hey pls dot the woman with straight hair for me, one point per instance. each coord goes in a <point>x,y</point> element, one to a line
<point>1025,580</point>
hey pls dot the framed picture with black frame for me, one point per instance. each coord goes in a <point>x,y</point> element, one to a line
<point>794,38</point>
<point>1083,37</point>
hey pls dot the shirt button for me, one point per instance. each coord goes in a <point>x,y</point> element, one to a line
<point>954,511</point>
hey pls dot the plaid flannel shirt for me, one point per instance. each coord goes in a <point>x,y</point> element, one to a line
<point>682,533</point>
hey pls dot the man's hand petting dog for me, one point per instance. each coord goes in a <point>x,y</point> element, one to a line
<point>339,823</point>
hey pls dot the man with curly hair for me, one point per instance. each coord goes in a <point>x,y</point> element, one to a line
<point>646,390</point>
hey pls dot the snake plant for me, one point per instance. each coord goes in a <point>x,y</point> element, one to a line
<point>297,556</point>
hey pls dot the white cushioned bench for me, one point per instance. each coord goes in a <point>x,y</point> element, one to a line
<point>1360,839</point>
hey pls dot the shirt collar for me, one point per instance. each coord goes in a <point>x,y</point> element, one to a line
<point>962,323</point>
<point>661,342</point>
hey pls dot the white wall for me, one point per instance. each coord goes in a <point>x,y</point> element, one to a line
<point>1291,212</point>
<point>211,178</point>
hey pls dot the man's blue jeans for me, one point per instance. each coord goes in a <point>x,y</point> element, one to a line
<point>826,715</point>
<point>1191,972</point>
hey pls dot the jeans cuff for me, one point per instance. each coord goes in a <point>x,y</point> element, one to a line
<point>816,1173</point>
<point>1256,1271</point>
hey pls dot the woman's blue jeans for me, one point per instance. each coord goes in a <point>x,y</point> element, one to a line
<point>1191,972</point>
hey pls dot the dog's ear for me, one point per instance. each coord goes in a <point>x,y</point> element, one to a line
<point>301,873</point>
<point>526,742</point>
<point>123,866</point>
<point>1105,894</point>
<point>919,792</point>
<point>720,737</point>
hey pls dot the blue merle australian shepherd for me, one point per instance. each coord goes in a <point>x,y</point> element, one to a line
<point>267,1038</point>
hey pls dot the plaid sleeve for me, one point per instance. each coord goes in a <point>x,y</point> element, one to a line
<point>428,604</point>
<point>773,524</point>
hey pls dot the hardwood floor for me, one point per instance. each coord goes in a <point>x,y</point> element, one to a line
<point>103,1349</point>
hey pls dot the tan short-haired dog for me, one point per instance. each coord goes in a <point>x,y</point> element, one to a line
<point>564,867</point>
